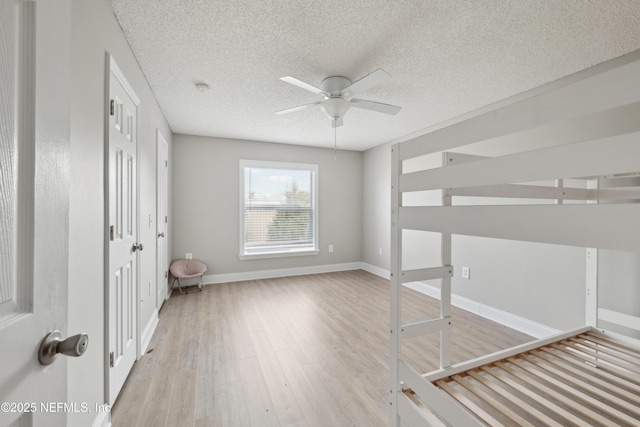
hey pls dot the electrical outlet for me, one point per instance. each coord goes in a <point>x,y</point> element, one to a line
<point>189,255</point>
<point>466,273</point>
<point>330,248</point>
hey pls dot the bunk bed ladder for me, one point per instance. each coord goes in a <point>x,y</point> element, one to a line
<point>399,276</point>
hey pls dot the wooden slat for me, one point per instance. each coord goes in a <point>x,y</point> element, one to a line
<point>487,397</point>
<point>521,404</point>
<point>555,376</point>
<point>584,375</point>
<point>533,381</point>
<point>596,406</point>
<point>580,382</point>
<point>591,158</point>
<point>571,225</point>
<point>470,403</point>
<point>425,327</point>
<point>624,361</point>
<point>591,358</point>
<point>549,405</point>
<point>615,343</point>
<point>427,274</point>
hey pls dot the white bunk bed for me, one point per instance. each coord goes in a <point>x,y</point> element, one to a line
<point>590,126</point>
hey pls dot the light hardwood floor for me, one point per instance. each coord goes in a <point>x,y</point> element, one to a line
<point>296,351</point>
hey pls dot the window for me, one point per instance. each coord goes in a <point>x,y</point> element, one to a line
<point>278,209</point>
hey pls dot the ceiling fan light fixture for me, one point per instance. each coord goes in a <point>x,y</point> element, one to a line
<point>335,108</point>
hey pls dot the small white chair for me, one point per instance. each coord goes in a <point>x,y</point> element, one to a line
<point>187,269</point>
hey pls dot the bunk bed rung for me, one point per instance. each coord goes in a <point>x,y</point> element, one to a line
<point>425,327</point>
<point>524,192</point>
<point>534,223</point>
<point>427,274</point>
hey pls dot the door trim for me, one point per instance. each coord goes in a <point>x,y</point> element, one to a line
<point>112,67</point>
<point>161,280</point>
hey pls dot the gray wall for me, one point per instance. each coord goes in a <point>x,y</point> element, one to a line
<point>95,31</point>
<point>618,285</point>
<point>376,191</point>
<point>206,202</point>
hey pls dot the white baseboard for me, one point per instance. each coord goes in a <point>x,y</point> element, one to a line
<point>512,321</point>
<point>210,279</point>
<point>385,274</point>
<point>147,333</point>
<point>102,420</point>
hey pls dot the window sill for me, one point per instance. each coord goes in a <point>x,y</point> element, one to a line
<point>259,255</point>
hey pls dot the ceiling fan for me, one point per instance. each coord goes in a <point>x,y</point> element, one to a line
<point>338,95</point>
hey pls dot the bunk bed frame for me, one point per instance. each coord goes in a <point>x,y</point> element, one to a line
<point>590,125</point>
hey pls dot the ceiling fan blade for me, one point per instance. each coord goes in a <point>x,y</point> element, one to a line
<point>377,77</point>
<point>302,85</point>
<point>298,108</point>
<point>375,106</point>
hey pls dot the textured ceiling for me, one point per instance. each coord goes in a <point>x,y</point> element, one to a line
<point>446,57</point>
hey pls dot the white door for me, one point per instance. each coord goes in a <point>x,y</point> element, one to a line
<point>122,230</point>
<point>162,177</point>
<point>34,205</point>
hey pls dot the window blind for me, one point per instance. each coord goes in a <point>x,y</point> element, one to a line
<point>279,208</point>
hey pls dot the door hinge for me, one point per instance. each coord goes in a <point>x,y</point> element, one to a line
<point>166,219</point>
<point>111,359</point>
<point>166,163</point>
<point>166,274</point>
<point>111,232</point>
<point>112,108</point>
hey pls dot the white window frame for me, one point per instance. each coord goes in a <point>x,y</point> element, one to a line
<point>285,252</point>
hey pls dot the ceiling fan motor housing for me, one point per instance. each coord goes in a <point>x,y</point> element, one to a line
<point>334,85</point>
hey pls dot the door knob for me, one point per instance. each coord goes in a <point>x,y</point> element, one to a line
<point>53,344</point>
<point>137,247</point>
<point>160,234</point>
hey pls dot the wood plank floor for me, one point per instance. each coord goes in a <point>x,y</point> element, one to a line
<point>296,351</point>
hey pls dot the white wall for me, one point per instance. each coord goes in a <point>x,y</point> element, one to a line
<point>95,31</point>
<point>206,202</point>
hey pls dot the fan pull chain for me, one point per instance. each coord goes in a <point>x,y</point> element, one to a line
<point>335,138</point>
